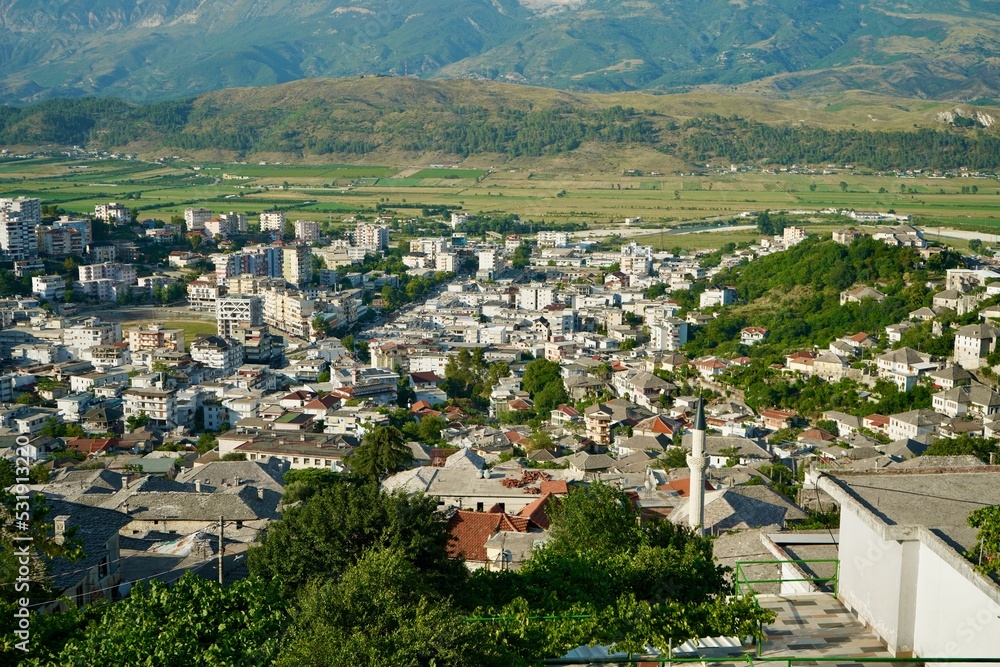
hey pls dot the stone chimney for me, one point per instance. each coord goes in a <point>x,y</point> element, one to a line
<point>60,527</point>
<point>260,493</point>
<point>124,481</point>
<point>197,486</point>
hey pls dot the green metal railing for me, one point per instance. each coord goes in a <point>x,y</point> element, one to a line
<point>751,660</point>
<point>743,580</point>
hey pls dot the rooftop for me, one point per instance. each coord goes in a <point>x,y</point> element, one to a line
<point>940,499</point>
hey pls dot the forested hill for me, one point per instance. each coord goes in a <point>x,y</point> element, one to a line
<point>348,119</point>
<point>796,295</point>
<point>163,49</point>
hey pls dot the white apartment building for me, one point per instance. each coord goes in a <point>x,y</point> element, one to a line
<point>195,218</point>
<point>306,230</point>
<point>48,287</point>
<point>218,227</point>
<point>236,310</point>
<point>159,404</point>
<point>19,218</point>
<point>92,334</point>
<point>636,260</point>
<point>113,213</point>
<point>430,246</point>
<point>289,312</point>
<point>155,337</point>
<point>373,238</point>
<point>272,221</point>
<point>203,293</point>
<point>552,239</point>
<point>536,297</point>
<point>490,262</point>
<point>124,273</point>
<point>217,353</point>
<point>717,296</point>
<point>296,263</point>
<point>446,261</point>
<point>668,334</point>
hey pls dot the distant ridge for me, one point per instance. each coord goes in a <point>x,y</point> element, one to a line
<point>380,119</point>
<point>165,49</point>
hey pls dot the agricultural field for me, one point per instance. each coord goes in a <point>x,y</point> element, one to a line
<point>334,192</point>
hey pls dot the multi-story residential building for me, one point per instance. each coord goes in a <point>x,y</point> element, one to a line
<point>48,287</point>
<point>668,334</point>
<point>430,246</point>
<point>113,213</point>
<point>222,354</point>
<point>793,235</point>
<point>306,230</point>
<point>155,337</point>
<point>636,260</point>
<point>25,267</point>
<point>296,262</point>
<point>237,222</point>
<point>255,261</point>
<point>235,310</point>
<point>218,228</point>
<point>60,242</point>
<point>373,238</point>
<point>195,218</point>
<point>103,281</point>
<point>204,293</point>
<point>160,405</point>
<point>446,261</point>
<point>116,271</point>
<point>19,219</point>
<point>717,296</point>
<point>272,221</point>
<point>92,333</point>
<point>552,239</point>
<point>259,345</point>
<point>490,263</point>
<point>289,312</point>
<point>973,343</point>
<point>82,225</point>
<point>535,296</point>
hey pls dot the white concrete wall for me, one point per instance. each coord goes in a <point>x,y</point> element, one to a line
<point>870,571</point>
<point>954,617</point>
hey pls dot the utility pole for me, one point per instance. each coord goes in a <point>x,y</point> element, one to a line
<point>222,548</point>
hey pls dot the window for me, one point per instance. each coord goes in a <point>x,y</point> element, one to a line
<point>479,507</point>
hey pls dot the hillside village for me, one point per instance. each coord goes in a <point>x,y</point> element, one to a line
<point>514,367</point>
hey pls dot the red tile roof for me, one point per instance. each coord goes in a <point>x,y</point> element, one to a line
<point>683,486</point>
<point>554,486</point>
<point>424,377</point>
<point>537,511</point>
<point>470,530</point>
<point>92,445</point>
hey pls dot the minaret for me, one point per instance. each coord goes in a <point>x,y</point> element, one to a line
<point>697,462</point>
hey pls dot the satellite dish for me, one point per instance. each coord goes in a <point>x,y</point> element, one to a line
<point>638,489</point>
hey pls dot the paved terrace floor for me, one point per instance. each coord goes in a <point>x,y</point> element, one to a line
<point>817,625</point>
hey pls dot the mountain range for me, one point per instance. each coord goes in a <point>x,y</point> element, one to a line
<point>147,50</point>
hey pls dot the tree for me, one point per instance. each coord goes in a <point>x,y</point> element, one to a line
<point>383,612</point>
<point>430,427</point>
<point>540,440</point>
<point>675,457</point>
<point>965,445</point>
<point>323,377</point>
<point>986,553</point>
<point>209,625</point>
<point>323,537</point>
<point>732,455</point>
<point>380,454</point>
<point>627,345</point>
<point>348,342</point>
<point>135,422</point>
<point>843,186</point>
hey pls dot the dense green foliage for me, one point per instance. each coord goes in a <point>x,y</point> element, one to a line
<point>324,536</point>
<point>381,453</point>
<point>741,140</point>
<point>986,555</point>
<point>810,277</point>
<point>965,445</point>
<point>193,622</point>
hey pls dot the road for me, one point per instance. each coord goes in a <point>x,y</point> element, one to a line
<point>931,232</point>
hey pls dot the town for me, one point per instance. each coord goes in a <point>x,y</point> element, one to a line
<point>803,399</point>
